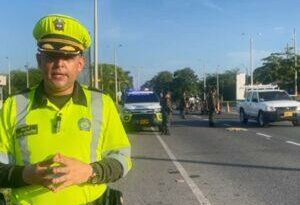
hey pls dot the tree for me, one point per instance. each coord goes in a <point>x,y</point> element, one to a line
<point>124,81</point>
<point>185,80</point>
<point>160,83</point>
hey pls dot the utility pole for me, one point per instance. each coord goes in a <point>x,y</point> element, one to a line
<point>295,59</point>
<point>96,43</point>
<point>116,75</point>
<point>27,74</point>
<point>204,83</point>
<point>251,61</point>
<point>9,76</point>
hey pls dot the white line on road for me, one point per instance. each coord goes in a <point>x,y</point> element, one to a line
<point>294,143</point>
<point>197,192</point>
<point>264,135</point>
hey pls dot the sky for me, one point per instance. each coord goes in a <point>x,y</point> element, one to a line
<point>158,35</point>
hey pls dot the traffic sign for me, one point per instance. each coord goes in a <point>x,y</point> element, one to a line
<point>2,80</point>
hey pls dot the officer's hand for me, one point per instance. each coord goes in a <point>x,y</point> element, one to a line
<point>70,172</point>
<point>38,173</point>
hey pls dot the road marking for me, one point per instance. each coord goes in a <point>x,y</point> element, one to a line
<point>294,143</point>
<point>195,189</point>
<point>264,135</point>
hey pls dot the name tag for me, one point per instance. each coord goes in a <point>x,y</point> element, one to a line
<point>25,130</point>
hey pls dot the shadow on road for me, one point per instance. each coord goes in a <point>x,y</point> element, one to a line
<point>219,164</point>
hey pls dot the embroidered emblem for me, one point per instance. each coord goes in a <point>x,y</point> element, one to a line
<point>59,24</point>
<point>84,124</point>
<point>25,130</point>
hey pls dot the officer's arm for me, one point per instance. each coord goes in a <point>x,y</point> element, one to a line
<point>116,160</point>
<point>11,176</point>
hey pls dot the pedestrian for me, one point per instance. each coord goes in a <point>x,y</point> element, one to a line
<point>183,105</point>
<point>166,109</point>
<point>211,103</point>
<point>61,142</point>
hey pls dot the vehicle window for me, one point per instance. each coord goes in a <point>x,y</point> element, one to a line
<point>249,97</point>
<point>272,95</point>
<point>142,98</point>
<point>255,97</point>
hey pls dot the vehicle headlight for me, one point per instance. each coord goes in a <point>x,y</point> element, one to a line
<point>270,108</point>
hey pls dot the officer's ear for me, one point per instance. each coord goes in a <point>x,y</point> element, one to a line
<point>80,63</point>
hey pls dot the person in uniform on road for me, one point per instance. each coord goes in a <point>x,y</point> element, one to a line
<point>211,103</point>
<point>166,109</point>
<point>61,142</point>
<point>183,105</point>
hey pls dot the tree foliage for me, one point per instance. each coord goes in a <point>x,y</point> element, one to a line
<point>278,68</point>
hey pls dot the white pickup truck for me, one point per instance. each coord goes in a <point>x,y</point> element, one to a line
<point>269,106</point>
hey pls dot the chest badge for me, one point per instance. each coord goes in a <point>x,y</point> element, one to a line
<point>84,124</point>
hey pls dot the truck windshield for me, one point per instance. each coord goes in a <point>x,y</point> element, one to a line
<point>269,96</point>
<point>142,98</point>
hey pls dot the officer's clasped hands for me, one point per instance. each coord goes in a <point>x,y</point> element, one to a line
<point>57,173</point>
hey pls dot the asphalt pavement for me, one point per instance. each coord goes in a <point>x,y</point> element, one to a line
<point>226,165</point>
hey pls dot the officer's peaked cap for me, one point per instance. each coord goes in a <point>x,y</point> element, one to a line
<point>61,34</point>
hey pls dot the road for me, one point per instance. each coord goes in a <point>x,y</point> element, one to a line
<point>215,166</point>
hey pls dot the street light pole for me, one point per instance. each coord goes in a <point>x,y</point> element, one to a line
<point>9,81</point>
<point>251,60</point>
<point>116,75</point>
<point>27,75</point>
<point>96,43</point>
<point>295,59</point>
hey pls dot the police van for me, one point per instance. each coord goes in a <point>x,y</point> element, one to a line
<point>141,109</point>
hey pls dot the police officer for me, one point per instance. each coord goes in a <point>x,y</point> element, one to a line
<point>166,109</point>
<point>60,142</point>
<point>211,103</point>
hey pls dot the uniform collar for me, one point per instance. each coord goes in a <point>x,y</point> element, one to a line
<point>40,97</point>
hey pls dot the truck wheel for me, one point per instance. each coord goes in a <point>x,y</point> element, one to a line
<point>260,119</point>
<point>243,118</point>
<point>296,122</point>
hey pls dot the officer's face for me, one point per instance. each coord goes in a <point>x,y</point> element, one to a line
<point>60,72</point>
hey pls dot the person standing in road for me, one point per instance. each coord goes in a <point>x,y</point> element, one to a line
<point>183,105</point>
<point>61,142</point>
<point>166,109</point>
<point>211,103</point>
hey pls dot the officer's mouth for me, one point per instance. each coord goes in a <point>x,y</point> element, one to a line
<point>58,76</point>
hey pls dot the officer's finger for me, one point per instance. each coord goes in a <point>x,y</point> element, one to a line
<point>45,163</point>
<point>62,186</point>
<point>59,158</point>
<point>61,170</point>
<point>60,179</point>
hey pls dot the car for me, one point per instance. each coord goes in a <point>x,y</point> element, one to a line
<point>269,105</point>
<point>141,109</point>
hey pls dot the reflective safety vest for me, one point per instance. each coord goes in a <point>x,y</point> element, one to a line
<point>87,128</point>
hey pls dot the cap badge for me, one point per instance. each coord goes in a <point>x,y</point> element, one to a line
<point>59,24</point>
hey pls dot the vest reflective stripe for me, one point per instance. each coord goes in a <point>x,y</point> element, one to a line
<point>4,158</point>
<point>22,102</point>
<point>96,123</point>
<point>123,156</point>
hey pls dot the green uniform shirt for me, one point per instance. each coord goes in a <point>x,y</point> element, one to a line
<point>87,128</point>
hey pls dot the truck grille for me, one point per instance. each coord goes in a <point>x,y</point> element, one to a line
<point>286,109</point>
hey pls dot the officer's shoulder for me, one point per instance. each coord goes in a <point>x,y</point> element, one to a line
<point>22,92</point>
<point>90,88</point>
